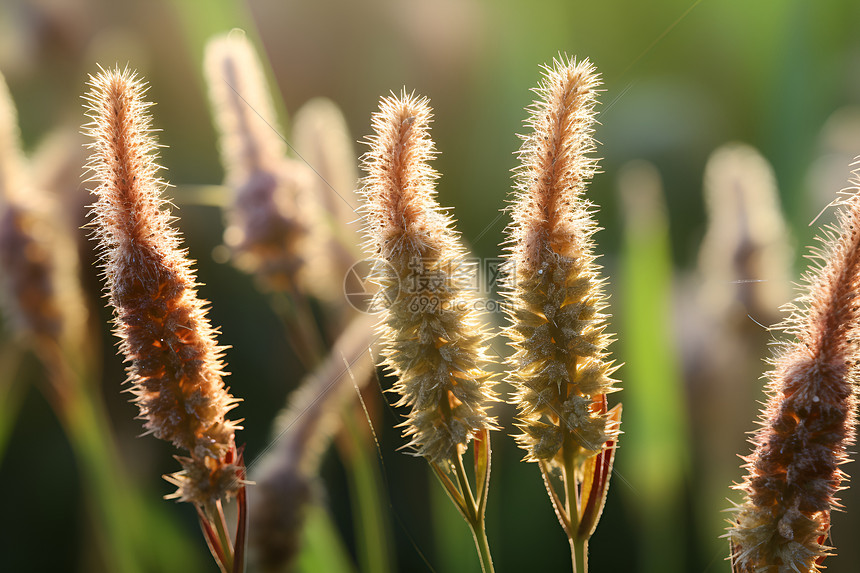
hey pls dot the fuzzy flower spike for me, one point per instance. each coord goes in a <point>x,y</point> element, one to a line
<point>560,369</point>
<point>793,472</point>
<point>433,341</point>
<point>175,366</point>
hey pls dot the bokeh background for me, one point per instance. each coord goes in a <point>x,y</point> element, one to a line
<point>681,78</point>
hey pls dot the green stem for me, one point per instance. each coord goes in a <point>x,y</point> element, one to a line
<point>577,547</point>
<point>480,535</point>
<point>474,519</point>
<point>579,554</point>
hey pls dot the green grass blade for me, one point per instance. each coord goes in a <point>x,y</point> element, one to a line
<point>654,455</point>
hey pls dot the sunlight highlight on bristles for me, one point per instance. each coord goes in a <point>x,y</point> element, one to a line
<point>176,367</point>
<point>434,342</point>
<point>557,325</point>
<point>555,165</point>
<point>808,422</point>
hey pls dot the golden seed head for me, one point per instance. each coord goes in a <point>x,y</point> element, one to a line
<point>175,363</point>
<point>433,340</point>
<point>557,326</point>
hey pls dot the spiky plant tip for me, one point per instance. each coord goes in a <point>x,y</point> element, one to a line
<point>556,300</point>
<point>808,422</point>
<point>176,367</point>
<point>433,339</point>
<point>550,216</point>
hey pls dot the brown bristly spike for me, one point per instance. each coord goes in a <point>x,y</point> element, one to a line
<point>176,366</point>
<point>266,224</point>
<point>560,367</point>
<point>433,341</point>
<point>808,422</point>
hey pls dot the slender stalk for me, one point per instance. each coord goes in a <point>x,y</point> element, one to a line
<point>474,518</point>
<point>578,558</point>
<point>302,329</point>
<point>579,552</point>
<point>463,480</point>
<point>480,535</point>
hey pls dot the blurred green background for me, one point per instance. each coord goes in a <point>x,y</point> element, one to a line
<point>681,78</point>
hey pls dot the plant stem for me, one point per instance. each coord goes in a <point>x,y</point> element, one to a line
<point>579,554</point>
<point>474,519</point>
<point>480,534</point>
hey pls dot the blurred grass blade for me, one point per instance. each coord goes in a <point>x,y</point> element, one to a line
<point>655,438</point>
<point>372,529</point>
<point>12,391</point>
<point>450,532</point>
<point>322,547</point>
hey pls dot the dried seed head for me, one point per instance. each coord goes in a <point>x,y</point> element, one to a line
<point>433,341</point>
<point>559,367</point>
<point>266,227</point>
<point>175,364</point>
<point>744,259</point>
<point>793,472</point>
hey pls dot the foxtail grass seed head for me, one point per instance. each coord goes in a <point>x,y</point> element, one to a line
<point>266,228</point>
<point>176,366</point>
<point>41,294</point>
<point>808,421</point>
<point>745,257</point>
<point>433,341</point>
<point>556,299</point>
